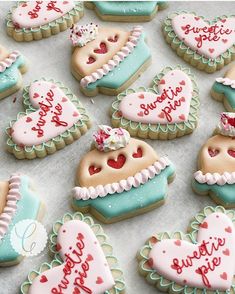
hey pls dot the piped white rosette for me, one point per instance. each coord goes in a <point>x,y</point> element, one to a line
<point>82,34</point>
<point>226,82</point>
<point>7,62</point>
<point>107,139</point>
<point>226,127</point>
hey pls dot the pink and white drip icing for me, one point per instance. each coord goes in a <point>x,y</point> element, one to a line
<point>9,210</point>
<point>82,34</point>
<point>226,127</point>
<point>7,62</point>
<point>116,60</point>
<point>226,82</point>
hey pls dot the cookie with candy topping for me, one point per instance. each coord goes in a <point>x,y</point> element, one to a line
<point>216,163</point>
<point>107,60</point>
<point>120,177</point>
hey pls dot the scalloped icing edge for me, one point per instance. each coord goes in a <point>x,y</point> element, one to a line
<point>56,143</point>
<point>189,55</point>
<point>158,131</point>
<point>117,273</point>
<point>159,281</point>
<point>46,30</point>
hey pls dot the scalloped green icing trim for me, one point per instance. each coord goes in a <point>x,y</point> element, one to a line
<point>75,11</point>
<point>84,120</point>
<point>119,286</point>
<point>169,32</point>
<point>170,286</point>
<point>191,123</point>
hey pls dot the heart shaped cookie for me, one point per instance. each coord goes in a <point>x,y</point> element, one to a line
<point>202,260</point>
<point>34,20</point>
<point>54,118</point>
<point>207,45</point>
<point>83,261</point>
<point>165,111</point>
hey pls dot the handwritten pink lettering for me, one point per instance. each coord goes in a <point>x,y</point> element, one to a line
<point>50,6</point>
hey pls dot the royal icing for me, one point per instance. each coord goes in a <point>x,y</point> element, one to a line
<point>84,268</point>
<point>8,61</point>
<point>170,105</point>
<point>54,114</point>
<point>226,126</point>
<point>207,264</point>
<point>124,185</point>
<point>33,14</point>
<point>208,39</point>
<point>215,178</point>
<point>80,35</point>
<point>226,81</point>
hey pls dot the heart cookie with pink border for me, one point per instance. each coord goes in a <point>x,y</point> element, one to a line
<point>165,111</point>
<point>207,45</point>
<point>83,261</point>
<point>54,118</point>
<point>202,260</point>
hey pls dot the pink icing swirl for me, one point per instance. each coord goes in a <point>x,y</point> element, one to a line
<point>124,185</point>
<point>215,178</point>
<point>226,82</point>
<point>11,204</point>
<point>116,60</point>
<point>7,62</point>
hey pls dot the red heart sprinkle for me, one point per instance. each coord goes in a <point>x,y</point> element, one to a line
<point>182,99</point>
<point>28,119</point>
<point>211,50</point>
<point>80,236</point>
<point>141,96</point>
<point>177,243</point>
<point>204,225</point>
<point>99,280</point>
<point>36,95</point>
<point>162,82</point>
<point>228,230</point>
<point>141,114</point>
<point>64,99</point>
<point>161,115</point>
<point>182,117</point>
<point>75,114</point>
<point>43,279</point>
<point>89,257</point>
<point>182,83</point>
<point>196,18</point>
<point>150,262</point>
<point>224,276</point>
<point>223,20</point>
<point>226,252</point>
<point>58,247</point>
<point>224,40</point>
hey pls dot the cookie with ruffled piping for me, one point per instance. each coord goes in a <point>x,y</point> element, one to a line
<point>125,11</point>
<point>18,201</point>
<point>166,110</point>
<point>53,118</point>
<point>223,89</point>
<point>120,177</point>
<point>35,20</point>
<point>207,45</point>
<point>83,261</point>
<point>12,66</point>
<point>201,261</point>
<point>216,164</point>
<point>107,60</point>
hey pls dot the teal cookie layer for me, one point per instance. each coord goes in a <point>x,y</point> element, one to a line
<point>122,204</point>
<point>27,208</point>
<point>227,91</point>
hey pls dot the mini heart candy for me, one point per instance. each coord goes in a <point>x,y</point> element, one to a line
<point>204,259</point>
<point>51,111</point>
<point>82,266</point>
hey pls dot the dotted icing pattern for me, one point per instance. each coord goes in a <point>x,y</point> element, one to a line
<point>171,286</point>
<point>165,128</point>
<point>119,286</point>
<point>82,122</point>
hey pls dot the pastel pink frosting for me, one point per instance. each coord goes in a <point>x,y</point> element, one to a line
<point>226,82</point>
<point>215,178</point>
<point>7,62</point>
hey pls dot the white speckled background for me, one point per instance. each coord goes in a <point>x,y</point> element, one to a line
<point>54,175</point>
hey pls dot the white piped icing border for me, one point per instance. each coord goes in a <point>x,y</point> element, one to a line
<point>116,60</point>
<point>11,204</point>
<point>226,82</point>
<point>83,193</point>
<point>215,178</point>
<point>7,62</point>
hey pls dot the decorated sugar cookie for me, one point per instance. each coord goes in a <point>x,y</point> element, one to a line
<point>201,261</point>
<point>53,118</point>
<point>83,261</point>
<point>120,177</point>
<point>17,202</point>
<point>224,89</point>
<point>134,11</point>
<point>12,66</point>
<point>167,110</point>
<point>216,164</point>
<point>35,20</point>
<point>107,60</point>
<point>207,45</point>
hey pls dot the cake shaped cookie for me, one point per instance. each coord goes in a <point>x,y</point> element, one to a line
<point>107,60</point>
<point>34,20</point>
<point>12,66</point>
<point>166,110</point>
<point>201,261</point>
<point>17,202</point>
<point>216,163</point>
<point>53,118</point>
<point>207,45</point>
<point>133,11</point>
<point>120,177</point>
<point>223,89</point>
<point>83,261</point>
